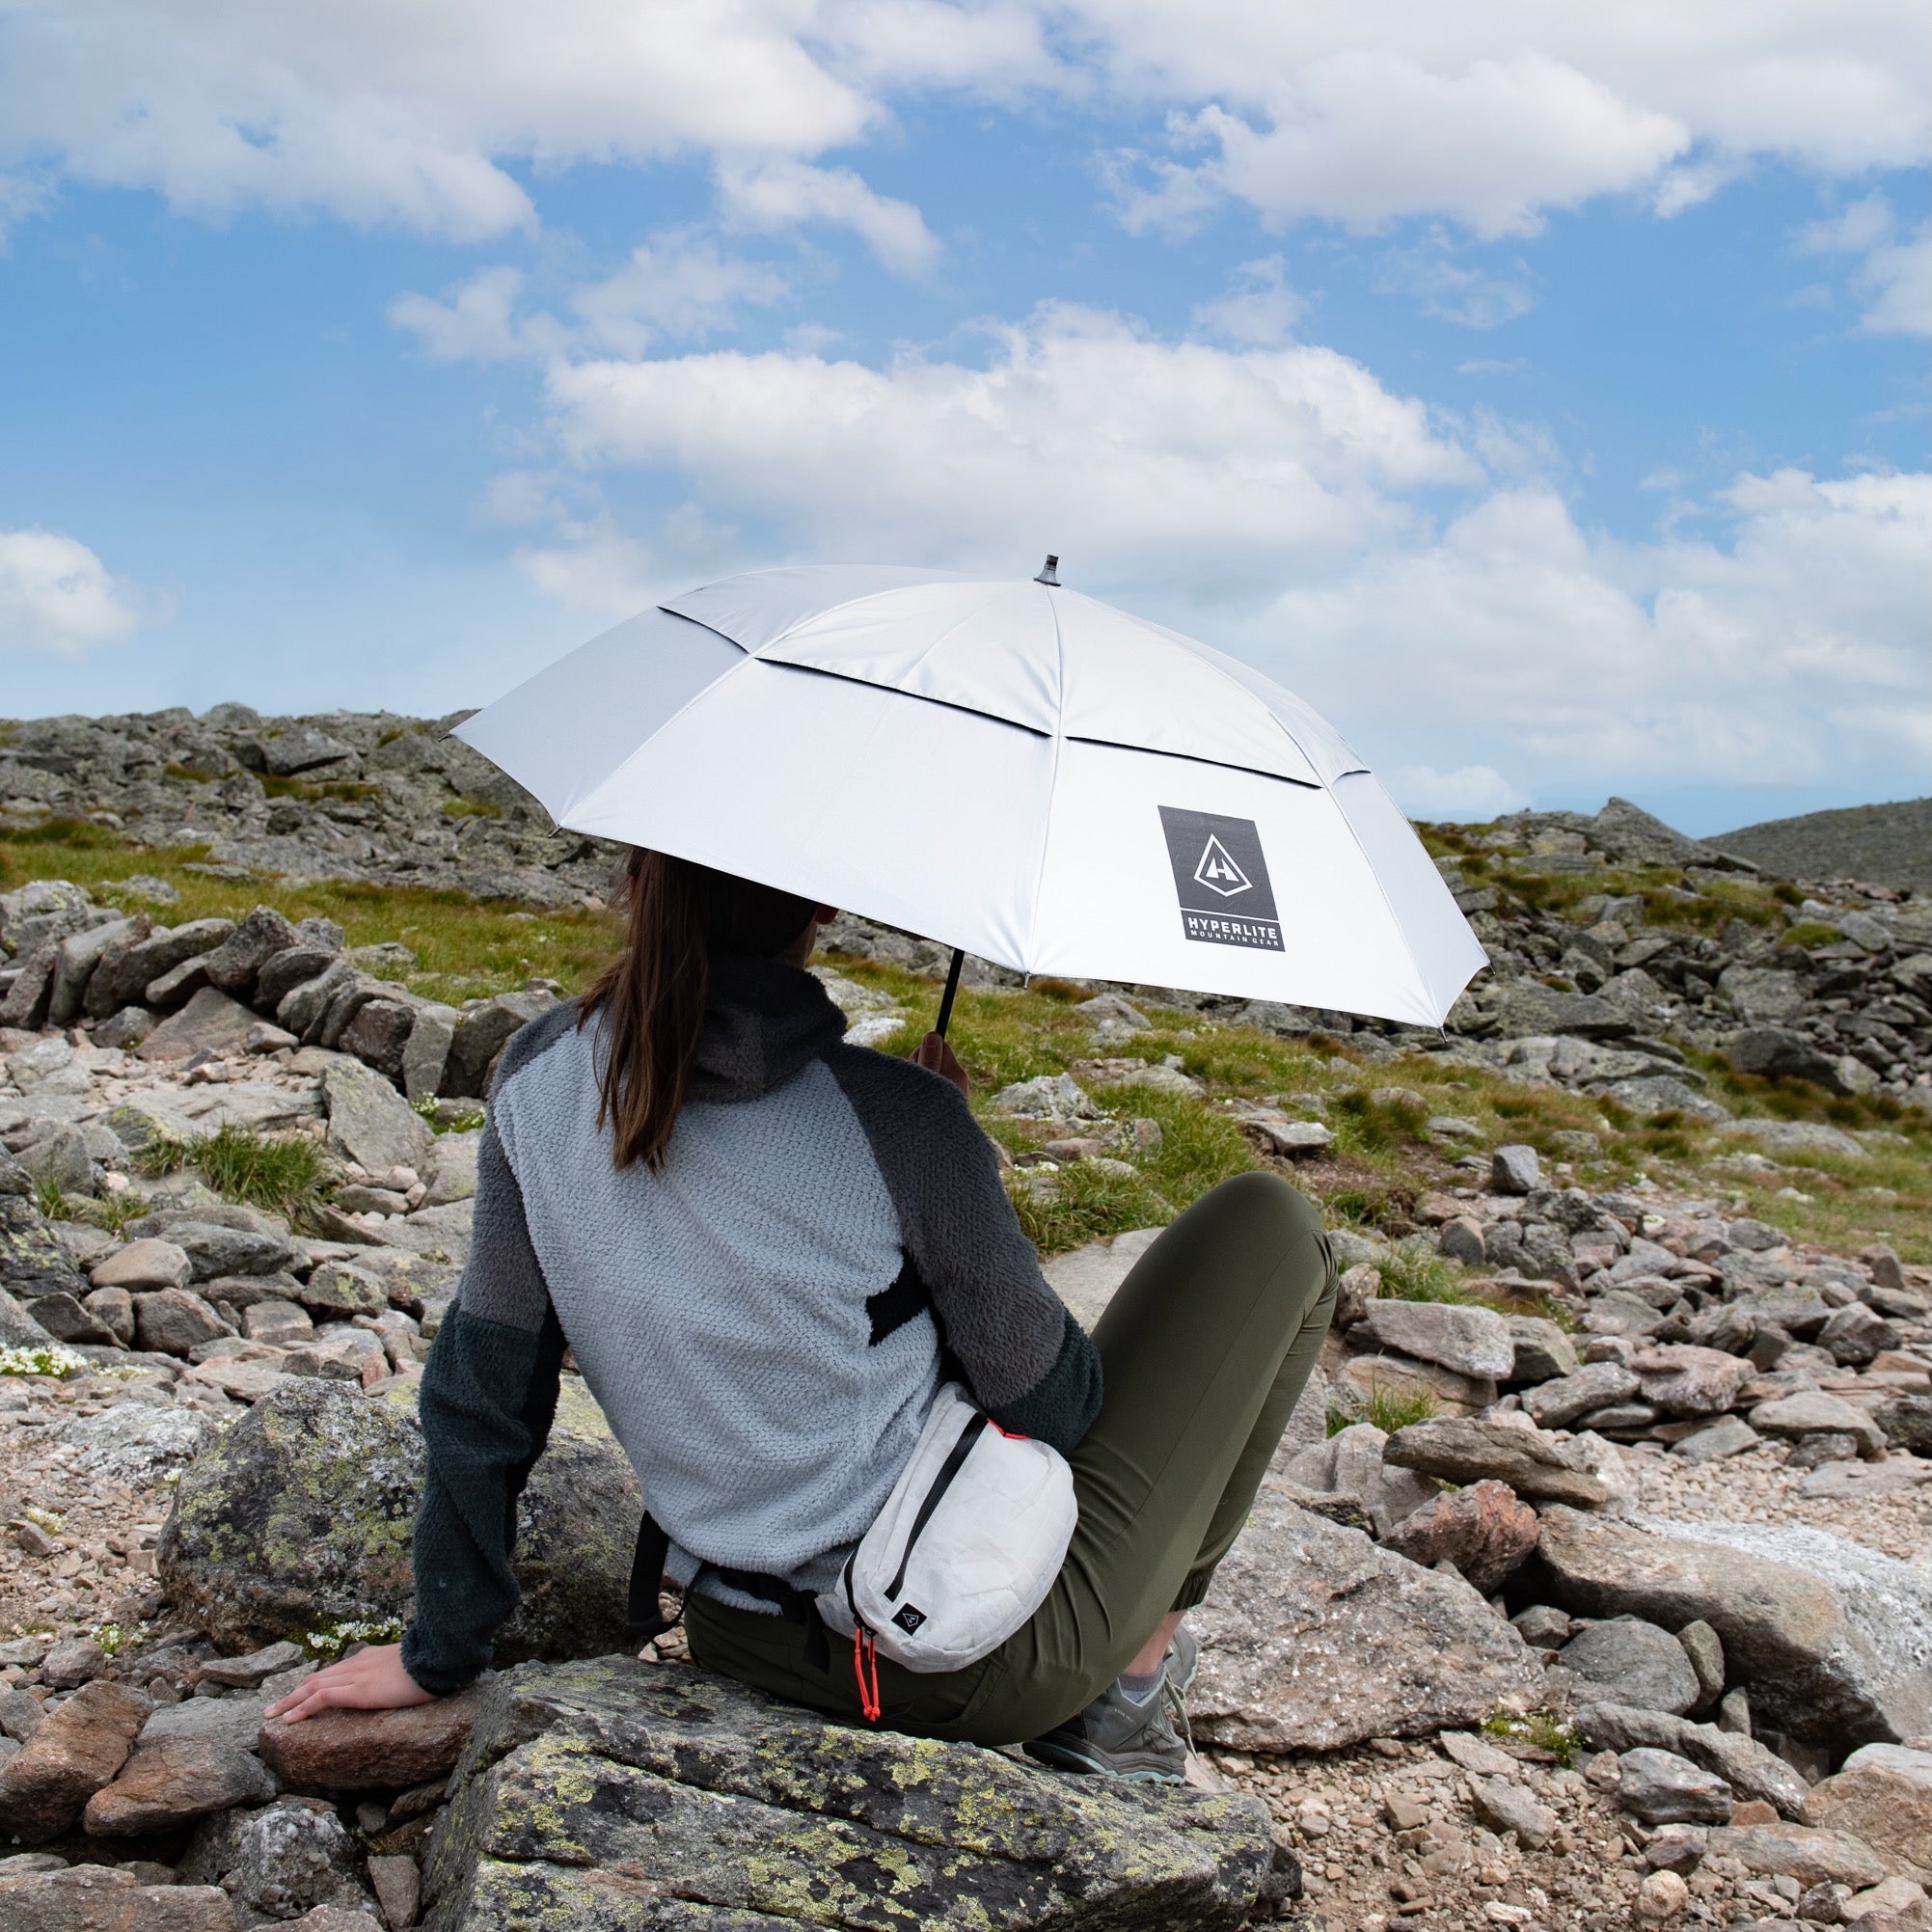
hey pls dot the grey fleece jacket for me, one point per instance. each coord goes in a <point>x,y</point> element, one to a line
<point>764,1320</point>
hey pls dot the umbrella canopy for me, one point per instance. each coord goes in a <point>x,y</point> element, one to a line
<point>1010,768</point>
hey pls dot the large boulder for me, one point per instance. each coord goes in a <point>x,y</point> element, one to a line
<point>299,1519</point>
<point>1313,1638</point>
<point>370,1122</point>
<point>594,1794</point>
<point>1833,1640</point>
<point>211,1023</point>
<point>1533,1462</point>
<point>1472,1340</point>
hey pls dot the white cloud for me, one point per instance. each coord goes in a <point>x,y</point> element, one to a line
<point>1492,115</point>
<point>57,598</point>
<point>676,285</point>
<point>1135,458</point>
<point>1472,298</point>
<point>476,321</point>
<point>1281,501</point>
<point>1258,308</point>
<point>1894,277</point>
<point>1471,792</point>
<point>434,113</point>
<point>1369,137</point>
<point>1794,649</point>
<point>406,113</point>
<point>775,196</point>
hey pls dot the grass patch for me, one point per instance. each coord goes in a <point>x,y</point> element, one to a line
<point>1811,932</point>
<point>465,948</point>
<point>71,834</point>
<point>1198,1147</point>
<point>1388,1409</point>
<point>52,1201</point>
<point>471,808</point>
<point>314,793</point>
<point>285,1176</point>
<point>1365,1125</point>
<point>1090,1203</point>
<point>1409,1275</point>
<point>1540,1728</point>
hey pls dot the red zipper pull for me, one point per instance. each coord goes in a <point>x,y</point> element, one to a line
<point>865,1651</point>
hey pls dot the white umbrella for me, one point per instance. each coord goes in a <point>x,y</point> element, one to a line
<point>1007,767</point>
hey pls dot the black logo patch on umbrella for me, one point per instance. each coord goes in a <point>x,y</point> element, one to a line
<point>1221,880</point>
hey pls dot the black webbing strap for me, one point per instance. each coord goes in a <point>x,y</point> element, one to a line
<point>645,1618</point>
<point>794,1605</point>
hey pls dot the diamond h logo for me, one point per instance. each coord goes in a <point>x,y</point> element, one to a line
<point>1218,872</point>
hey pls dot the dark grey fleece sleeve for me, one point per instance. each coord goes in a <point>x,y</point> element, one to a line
<point>1030,1364</point>
<point>486,1402</point>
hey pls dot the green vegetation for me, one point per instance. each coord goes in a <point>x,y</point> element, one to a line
<point>333,1640</point>
<point>1383,1160</point>
<point>1388,1409</point>
<point>1089,1201</point>
<point>465,948</point>
<point>46,1358</point>
<point>287,1175</point>
<point>471,808</point>
<point>50,1200</point>
<point>1541,1729</point>
<point>1409,1274</point>
<point>315,793</point>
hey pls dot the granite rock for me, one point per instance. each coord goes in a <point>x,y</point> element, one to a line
<point>1313,1639</point>
<point>589,1787</point>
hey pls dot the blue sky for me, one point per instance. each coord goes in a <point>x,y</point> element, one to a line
<point>1544,396</point>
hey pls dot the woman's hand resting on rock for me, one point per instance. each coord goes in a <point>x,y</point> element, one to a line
<point>372,1679</point>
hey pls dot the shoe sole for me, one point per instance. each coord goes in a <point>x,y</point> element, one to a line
<point>1065,1758</point>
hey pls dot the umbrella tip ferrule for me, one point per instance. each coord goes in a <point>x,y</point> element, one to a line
<point>1049,572</point>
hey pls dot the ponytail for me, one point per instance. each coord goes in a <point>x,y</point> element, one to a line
<point>652,994</point>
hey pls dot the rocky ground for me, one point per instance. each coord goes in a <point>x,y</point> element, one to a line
<point>1593,1587</point>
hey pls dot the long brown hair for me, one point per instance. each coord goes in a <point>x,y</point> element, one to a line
<point>652,994</point>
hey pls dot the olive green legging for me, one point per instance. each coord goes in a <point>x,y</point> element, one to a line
<point>1205,1346</point>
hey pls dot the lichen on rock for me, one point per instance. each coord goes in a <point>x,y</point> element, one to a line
<point>300,1518</point>
<point>591,1790</point>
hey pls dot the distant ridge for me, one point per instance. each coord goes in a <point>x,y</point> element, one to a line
<point>1883,845</point>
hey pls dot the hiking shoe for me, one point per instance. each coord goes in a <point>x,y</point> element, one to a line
<point>1115,1737</point>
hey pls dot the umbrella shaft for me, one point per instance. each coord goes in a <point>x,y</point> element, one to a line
<point>952,986</point>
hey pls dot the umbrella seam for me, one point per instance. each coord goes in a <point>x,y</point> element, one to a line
<point>1194,759</point>
<point>1054,783</point>
<point>1194,647</point>
<point>898,691</point>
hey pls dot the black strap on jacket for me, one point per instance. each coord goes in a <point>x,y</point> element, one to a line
<point>645,1618</point>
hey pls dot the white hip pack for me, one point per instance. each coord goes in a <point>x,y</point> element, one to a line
<point>964,1552</point>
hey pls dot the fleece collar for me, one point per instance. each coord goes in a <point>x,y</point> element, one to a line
<point>763,1022</point>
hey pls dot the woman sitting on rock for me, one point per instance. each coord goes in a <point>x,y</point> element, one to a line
<point>766,1249</point>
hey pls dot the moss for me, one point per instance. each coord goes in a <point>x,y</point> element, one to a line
<point>316,791</point>
<point>1811,932</point>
